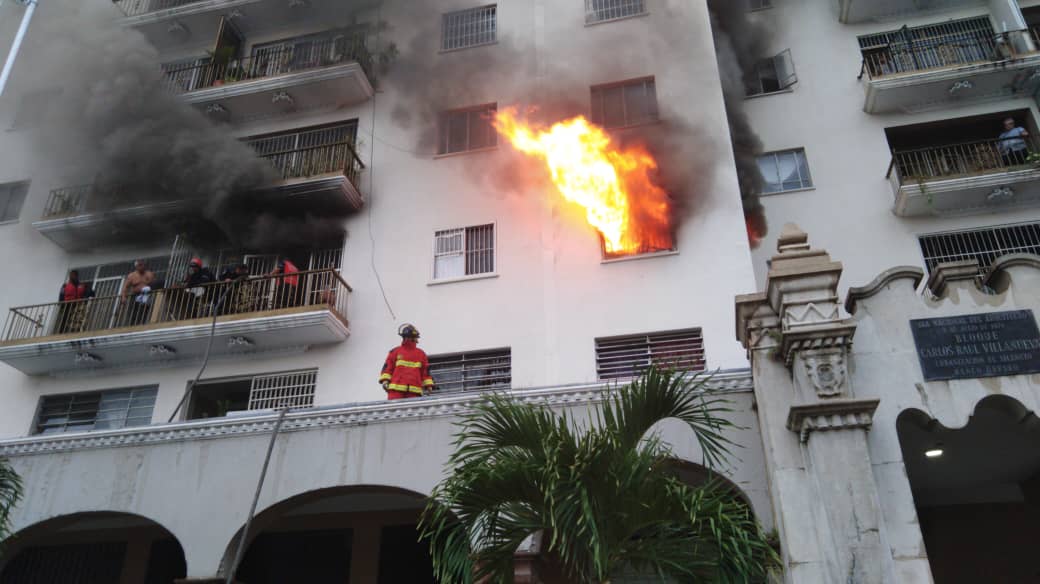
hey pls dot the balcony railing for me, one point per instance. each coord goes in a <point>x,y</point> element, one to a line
<point>959,160</point>
<point>269,62</point>
<point>314,288</point>
<point>138,7</point>
<point>945,50</point>
<point>312,152</point>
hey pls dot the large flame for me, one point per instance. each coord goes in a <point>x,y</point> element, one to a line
<point>614,185</point>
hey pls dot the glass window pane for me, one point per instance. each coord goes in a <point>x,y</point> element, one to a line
<point>770,177</point>
<point>613,107</point>
<point>803,169</point>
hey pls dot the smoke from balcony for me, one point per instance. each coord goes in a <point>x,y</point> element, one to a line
<point>114,123</point>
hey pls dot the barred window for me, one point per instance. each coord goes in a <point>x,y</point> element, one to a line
<point>469,28</point>
<point>467,251</point>
<point>984,245</point>
<point>773,74</point>
<point>98,410</point>
<point>625,103</point>
<point>472,371</point>
<point>12,197</point>
<point>467,129</point>
<point>627,356</point>
<point>784,170</point>
<point>217,397</point>
<point>603,10</point>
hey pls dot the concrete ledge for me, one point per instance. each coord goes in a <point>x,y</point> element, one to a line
<point>882,280</point>
<point>948,272</point>
<point>831,415</point>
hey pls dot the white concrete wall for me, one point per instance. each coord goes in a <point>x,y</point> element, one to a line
<point>552,296</point>
<point>848,212</point>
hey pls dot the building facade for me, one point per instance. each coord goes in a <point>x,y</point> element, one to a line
<point>355,141</point>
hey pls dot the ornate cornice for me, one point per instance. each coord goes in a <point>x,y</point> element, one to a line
<point>825,336</point>
<point>857,293</point>
<point>831,415</point>
<point>341,416</point>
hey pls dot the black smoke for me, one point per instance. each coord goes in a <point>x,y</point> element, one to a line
<point>740,45</point>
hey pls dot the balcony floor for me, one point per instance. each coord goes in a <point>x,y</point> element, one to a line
<point>967,194</point>
<point>151,345</point>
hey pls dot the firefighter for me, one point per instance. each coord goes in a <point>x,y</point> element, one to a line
<point>406,372</point>
<point>287,287</point>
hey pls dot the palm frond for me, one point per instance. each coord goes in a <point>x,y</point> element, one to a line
<point>10,495</point>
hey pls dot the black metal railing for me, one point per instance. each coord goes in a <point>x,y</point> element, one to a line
<point>962,159</point>
<point>138,7</point>
<point>314,288</point>
<point>946,50</point>
<point>292,57</point>
<point>312,152</point>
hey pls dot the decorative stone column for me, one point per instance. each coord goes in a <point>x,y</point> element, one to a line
<point>813,428</point>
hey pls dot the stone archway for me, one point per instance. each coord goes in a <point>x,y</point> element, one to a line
<point>977,491</point>
<point>337,534</point>
<point>92,547</point>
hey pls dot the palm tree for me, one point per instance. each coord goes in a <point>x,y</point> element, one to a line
<point>10,494</point>
<point>602,492</point>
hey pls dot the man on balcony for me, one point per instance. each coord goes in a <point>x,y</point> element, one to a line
<point>287,288</point>
<point>1013,148</point>
<point>70,316</point>
<point>138,285</point>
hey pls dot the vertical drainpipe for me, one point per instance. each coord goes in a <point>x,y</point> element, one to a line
<point>18,38</point>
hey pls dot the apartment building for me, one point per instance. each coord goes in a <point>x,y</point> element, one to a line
<point>373,118</point>
<point>356,141</point>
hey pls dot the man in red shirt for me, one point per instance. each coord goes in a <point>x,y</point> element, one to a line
<point>406,372</point>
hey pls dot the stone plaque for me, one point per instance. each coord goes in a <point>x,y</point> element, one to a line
<point>977,345</point>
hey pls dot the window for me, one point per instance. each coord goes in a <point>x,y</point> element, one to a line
<point>624,104</point>
<point>467,129</point>
<point>985,245</point>
<point>99,410</point>
<point>474,371</point>
<point>469,28</point>
<point>759,4</point>
<point>628,356</point>
<point>467,251</point>
<point>218,397</point>
<point>12,196</point>
<point>786,170</point>
<point>773,74</point>
<point>603,10</point>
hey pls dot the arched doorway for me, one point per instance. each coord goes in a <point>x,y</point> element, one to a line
<point>977,492</point>
<point>92,548</point>
<point>337,535</point>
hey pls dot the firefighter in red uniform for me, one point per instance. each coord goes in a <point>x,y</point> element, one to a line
<point>406,372</point>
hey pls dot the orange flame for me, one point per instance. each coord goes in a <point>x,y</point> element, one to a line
<point>614,185</point>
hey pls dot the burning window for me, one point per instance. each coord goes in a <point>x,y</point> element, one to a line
<point>462,252</point>
<point>984,245</point>
<point>786,170</point>
<point>218,397</point>
<point>469,28</point>
<point>12,196</point>
<point>626,103</point>
<point>603,10</point>
<point>472,371</point>
<point>773,74</point>
<point>627,356</point>
<point>98,410</point>
<point>467,129</point>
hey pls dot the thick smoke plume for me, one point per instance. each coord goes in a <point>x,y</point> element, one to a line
<point>740,45</point>
<point>115,123</point>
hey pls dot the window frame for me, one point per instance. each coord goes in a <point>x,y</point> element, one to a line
<point>11,187</point>
<point>589,10</point>
<point>444,135</point>
<point>35,428</point>
<point>785,82</point>
<point>476,276</point>
<point>460,356</point>
<point>648,339</point>
<point>775,153</point>
<point>454,13</point>
<point>600,118</point>
<point>251,397</point>
<point>977,231</point>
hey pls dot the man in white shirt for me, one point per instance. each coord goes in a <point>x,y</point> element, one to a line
<point>1013,148</point>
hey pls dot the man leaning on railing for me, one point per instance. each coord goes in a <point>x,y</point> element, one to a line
<point>1011,144</point>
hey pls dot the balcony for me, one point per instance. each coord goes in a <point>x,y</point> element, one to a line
<point>173,23</point>
<point>317,168</point>
<point>962,179</point>
<point>861,11</point>
<point>922,68</point>
<point>256,316</point>
<point>319,71</point>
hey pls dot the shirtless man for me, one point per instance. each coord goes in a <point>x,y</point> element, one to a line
<point>138,283</point>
